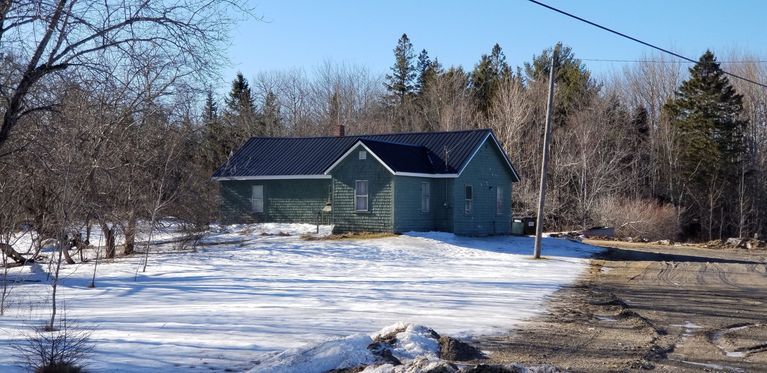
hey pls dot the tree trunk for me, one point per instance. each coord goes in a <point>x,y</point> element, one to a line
<point>109,238</point>
<point>64,247</point>
<point>11,253</point>
<point>130,234</point>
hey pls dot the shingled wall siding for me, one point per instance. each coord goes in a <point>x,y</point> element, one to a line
<point>285,201</point>
<point>486,171</point>
<point>380,195</point>
<point>407,205</point>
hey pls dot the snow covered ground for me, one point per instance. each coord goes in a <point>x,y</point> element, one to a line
<point>250,292</point>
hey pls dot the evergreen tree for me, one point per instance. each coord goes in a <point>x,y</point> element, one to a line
<point>487,77</point>
<point>575,86</point>
<point>210,111</point>
<point>401,82</point>
<point>706,111</point>
<point>428,71</point>
<point>240,100</point>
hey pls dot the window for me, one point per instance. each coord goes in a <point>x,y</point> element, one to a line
<point>257,198</point>
<point>499,201</point>
<point>361,195</point>
<point>363,155</point>
<point>425,196</point>
<point>469,199</point>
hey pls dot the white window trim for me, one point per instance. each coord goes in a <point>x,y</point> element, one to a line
<point>253,199</point>
<point>366,196</point>
<point>425,196</point>
<point>362,155</point>
<point>468,205</point>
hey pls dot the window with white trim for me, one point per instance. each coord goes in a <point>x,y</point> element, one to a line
<point>469,204</point>
<point>257,198</point>
<point>425,196</point>
<point>499,201</point>
<point>363,155</point>
<point>361,195</point>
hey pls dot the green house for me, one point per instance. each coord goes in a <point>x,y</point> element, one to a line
<point>458,181</point>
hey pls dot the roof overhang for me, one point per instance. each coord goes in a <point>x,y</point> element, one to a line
<point>272,177</point>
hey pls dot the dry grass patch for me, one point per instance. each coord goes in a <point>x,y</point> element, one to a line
<point>349,236</point>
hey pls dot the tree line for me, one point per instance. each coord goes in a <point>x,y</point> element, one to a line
<point>660,149</point>
<point>656,149</point>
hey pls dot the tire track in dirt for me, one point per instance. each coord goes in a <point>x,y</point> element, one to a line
<point>655,308</point>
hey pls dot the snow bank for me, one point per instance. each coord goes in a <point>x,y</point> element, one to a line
<point>274,229</point>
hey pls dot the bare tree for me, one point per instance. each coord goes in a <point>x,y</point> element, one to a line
<point>47,37</point>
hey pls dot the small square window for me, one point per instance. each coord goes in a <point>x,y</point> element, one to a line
<point>363,154</point>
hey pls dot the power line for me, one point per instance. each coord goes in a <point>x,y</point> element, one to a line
<point>677,55</point>
<point>669,62</point>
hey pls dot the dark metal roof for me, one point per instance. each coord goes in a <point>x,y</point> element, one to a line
<point>427,152</point>
<point>406,157</point>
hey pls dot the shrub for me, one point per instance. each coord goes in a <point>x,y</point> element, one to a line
<point>639,218</point>
<point>62,350</point>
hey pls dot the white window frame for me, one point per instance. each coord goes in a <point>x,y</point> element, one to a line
<point>256,201</point>
<point>468,206</point>
<point>359,196</point>
<point>425,196</point>
<point>499,200</point>
<point>362,155</point>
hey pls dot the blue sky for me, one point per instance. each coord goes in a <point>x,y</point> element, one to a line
<point>302,34</point>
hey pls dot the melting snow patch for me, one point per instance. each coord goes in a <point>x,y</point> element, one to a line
<point>715,366</point>
<point>340,353</point>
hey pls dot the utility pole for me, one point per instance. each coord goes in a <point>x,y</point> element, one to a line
<point>545,159</point>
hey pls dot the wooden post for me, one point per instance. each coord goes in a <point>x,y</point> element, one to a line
<point>545,159</point>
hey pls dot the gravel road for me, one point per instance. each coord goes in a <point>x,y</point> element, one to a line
<point>651,307</point>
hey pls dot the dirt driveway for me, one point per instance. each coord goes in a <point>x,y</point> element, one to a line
<point>668,308</point>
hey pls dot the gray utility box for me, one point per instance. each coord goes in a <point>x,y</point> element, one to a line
<point>517,227</point>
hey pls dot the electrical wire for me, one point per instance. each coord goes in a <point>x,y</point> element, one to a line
<point>670,62</point>
<point>677,55</point>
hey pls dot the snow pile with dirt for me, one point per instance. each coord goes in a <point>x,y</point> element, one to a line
<point>249,292</point>
<point>410,341</point>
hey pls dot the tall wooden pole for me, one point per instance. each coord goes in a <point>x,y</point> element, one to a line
<point>545,160</point>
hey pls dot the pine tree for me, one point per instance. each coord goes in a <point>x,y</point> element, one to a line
<point>706,111</point>
<point>428,71</point>
<point>401,82</point>
<point>240,99</point>
<point>575,87</point>
<point>210,111</point>
<point>487,77</point>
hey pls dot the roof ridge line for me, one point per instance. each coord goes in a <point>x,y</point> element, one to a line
<point>367,135</point>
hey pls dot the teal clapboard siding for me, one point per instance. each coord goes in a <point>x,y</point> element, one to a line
<point>285,201</point>
<point>485,173</point>
<point>378,218</point>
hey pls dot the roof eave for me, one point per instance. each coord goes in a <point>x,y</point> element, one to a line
<point>272,177</point>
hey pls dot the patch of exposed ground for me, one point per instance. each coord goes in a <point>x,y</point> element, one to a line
<point>663,308</point>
